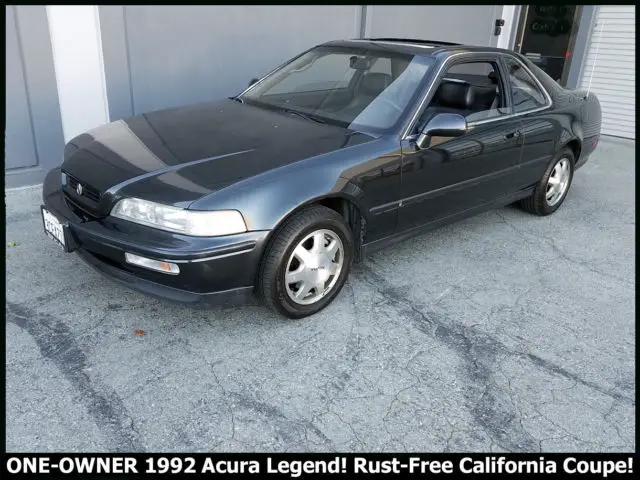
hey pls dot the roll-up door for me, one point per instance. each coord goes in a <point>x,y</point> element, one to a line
<point>610,68</point>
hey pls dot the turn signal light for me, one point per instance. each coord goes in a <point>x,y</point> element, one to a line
<point>157,265</point>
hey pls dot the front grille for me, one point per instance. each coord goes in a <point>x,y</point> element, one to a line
<point>87,191</point>
<point>81,212</point>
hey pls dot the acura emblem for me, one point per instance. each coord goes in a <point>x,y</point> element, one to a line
<point>79,189</point>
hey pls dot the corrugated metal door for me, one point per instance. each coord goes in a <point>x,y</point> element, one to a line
<point>612,49</point>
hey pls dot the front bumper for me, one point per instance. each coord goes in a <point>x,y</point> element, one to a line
<point>213,270</point>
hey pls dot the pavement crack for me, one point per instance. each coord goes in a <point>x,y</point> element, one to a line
<point>561,253</point>
<point>353,432</point>
<point>612,423</point>
<point>291,430</point>
<point>47,297</point>
<point>58,344</point>
<point>225,399</point>
<point>492,408</point>
<point>562,372</point>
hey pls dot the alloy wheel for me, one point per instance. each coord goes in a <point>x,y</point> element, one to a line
<point>558,181</point>
<point>314,267</point>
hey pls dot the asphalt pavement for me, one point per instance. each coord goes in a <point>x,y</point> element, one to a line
<point>503,332</point>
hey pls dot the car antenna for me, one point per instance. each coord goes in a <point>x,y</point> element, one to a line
<point>595,58</point>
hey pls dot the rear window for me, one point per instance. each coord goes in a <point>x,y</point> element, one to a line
<point>550,85</point>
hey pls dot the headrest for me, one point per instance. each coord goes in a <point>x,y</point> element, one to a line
<point>484,96</point>
<point>455,95</point>
<point>374,82</point>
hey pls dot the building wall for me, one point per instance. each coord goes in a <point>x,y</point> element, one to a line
<point>471,24</point>
<point>163,56</point>
<point>33,135</point>
<point>71,68</point>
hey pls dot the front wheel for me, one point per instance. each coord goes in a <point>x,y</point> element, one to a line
<point>306,263</point>
<point>553,187</point>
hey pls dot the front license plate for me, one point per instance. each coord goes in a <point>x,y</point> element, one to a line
<point>53,227</point>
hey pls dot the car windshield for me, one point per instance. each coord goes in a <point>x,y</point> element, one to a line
<point>354,88</point>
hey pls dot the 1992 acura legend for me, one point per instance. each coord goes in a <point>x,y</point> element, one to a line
<point>346,148</point>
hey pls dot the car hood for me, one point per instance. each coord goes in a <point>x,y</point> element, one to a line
<point>179,155</point>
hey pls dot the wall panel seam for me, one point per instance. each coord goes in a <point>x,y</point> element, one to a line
<point>128,54</point>
<point>103,76</point>
<point>26,85</point>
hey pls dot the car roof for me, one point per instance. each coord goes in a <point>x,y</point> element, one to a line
<point>414,46</point>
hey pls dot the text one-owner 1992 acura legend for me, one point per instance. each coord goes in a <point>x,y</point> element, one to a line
<point>346,148</point>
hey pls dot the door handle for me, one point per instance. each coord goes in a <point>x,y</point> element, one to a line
<point>514,134</point>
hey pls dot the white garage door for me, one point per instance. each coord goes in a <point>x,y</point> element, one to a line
<point>612,50</point>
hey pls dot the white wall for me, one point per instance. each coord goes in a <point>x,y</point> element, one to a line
<point>169,55</point>
<point>510,15</point>
<point>472,24</point>
<point>79,68</point>
<point>164,56</point>
<point>150,57</point>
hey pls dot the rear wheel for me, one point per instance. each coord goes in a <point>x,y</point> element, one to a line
<point>552,189</point>
<point>307,262</point>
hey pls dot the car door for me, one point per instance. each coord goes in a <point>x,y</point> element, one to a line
<point>540,127</point>
<point>454,175</point>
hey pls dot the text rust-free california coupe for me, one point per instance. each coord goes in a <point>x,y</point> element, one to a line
<point>346,148</point>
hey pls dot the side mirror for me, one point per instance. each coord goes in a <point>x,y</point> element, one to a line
<point>442,125</point>
<point>253,80</point>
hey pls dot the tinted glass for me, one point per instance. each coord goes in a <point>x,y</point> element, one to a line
<point>355,88</point>
<point>526,94</point>
<point>471,89</point>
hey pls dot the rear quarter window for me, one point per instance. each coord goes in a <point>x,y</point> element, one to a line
<point>525,93</point>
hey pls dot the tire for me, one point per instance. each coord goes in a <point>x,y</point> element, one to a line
<point>311,223</point>
<point>538,202</point>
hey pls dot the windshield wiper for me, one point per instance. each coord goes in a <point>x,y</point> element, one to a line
<point>307,116</point>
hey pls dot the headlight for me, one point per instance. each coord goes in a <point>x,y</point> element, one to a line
<point>174,219</point>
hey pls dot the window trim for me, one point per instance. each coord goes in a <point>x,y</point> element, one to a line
<point>541,88</point>
<point>452,60</point>
<point>504,90</point>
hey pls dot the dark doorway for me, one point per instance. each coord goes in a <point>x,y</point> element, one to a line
<point>546,35</point>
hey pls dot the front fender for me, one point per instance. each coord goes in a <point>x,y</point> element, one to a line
<point>265,202</point>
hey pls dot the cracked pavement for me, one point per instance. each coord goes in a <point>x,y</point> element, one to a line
<point>503,332</point>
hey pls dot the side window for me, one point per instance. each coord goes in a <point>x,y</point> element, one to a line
<point>526,94</point>
<point>472,89</point>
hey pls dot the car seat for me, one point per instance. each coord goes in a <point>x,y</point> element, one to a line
<point>370,86</point>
